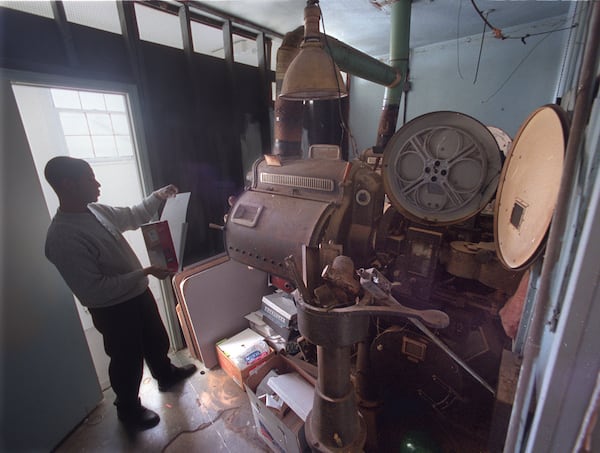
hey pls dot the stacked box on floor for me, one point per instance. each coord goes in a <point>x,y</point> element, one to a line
<point>240,355</point>
<point>282,430</point>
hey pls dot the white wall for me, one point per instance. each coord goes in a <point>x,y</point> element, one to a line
<point>523,76</point>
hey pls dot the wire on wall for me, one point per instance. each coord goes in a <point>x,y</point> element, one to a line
<point>545,35</point>
<point>500,35</point>
<point>497,32</point>
<point>515,70</point>
<point>480,49</point>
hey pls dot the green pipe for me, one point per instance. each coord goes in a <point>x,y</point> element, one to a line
<point>348,59</point>
<point>399,45</point>
<point>360,64</point>
<point>399,52</point>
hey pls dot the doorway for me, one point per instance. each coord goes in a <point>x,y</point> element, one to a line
<point>96,126</point>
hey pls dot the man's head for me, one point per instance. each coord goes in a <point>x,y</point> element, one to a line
<point>73,181</point>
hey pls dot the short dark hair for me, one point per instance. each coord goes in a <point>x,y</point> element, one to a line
<point>63,167</point>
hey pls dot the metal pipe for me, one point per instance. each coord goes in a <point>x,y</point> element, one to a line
<point>581,113</point>
<point>399,52</point>
<point>334,381</point>
<point>360,64</point>
<point>334,424</point>
<point>348,59</point>
<point>423,328</point>
<point>364,390</point>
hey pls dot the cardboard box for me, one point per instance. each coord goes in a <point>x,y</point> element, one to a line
<point>281,432</point>
<point>159,244</point>
<point>242,345</point>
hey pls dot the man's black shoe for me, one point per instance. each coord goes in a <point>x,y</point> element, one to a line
<point>138,418</point>
<point>177,375</point>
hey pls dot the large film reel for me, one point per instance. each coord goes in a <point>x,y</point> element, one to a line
<point>441,168</point>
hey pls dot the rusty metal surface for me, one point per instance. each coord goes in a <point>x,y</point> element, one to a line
<point>300,203</point>
<point>478,261</point>
<point>387,124</point>
<point>263,229</point>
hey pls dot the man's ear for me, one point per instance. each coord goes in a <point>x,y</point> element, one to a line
<point>66,185</point>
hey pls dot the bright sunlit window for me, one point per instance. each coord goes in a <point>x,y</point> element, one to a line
<point>95,125</point>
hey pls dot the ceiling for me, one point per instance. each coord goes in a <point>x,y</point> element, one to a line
<point>365,24</point>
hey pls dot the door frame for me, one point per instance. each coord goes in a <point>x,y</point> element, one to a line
<point>143,165</point>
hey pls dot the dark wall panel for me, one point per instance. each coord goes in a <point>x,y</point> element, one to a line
<point>193,112</point>
<point>28,39</point>
<point>101,54</point>
<point>194,138</point>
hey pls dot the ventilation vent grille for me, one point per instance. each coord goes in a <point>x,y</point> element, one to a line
<point>301,182</point>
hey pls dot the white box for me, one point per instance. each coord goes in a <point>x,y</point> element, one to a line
<point>294,391</point>
<point>281,433</point>
<point>281,308</point>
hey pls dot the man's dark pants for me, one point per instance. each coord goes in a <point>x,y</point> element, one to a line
<point>133,332</point>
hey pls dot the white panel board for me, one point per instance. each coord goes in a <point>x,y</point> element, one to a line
<point>217,294</point>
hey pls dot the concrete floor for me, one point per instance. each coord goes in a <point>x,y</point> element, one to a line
<point>210,413</point>
<point>206,413</point>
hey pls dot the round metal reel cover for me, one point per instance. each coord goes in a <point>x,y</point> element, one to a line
<point>441,168</point>
<point>528,187</point>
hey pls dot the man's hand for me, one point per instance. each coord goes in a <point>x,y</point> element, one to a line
<point>166,192</point>
<point>157,272</point>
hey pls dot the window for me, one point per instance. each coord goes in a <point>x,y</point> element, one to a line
<point>207,40</point>
<point>43,9</point>
<point>95,125</point>
<point>245,51</point>
<point>102,15</point>
<point>158,27</point>
<point>155,25</point>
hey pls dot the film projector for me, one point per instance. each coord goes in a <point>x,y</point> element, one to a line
<point>402,261</point>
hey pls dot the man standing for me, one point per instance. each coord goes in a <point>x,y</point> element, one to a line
<point>85,243</point>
